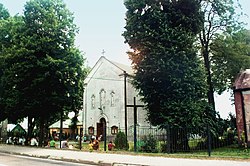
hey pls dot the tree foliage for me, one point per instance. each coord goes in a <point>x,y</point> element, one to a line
<point>43,70</point>
<point>230,55</point>
<point>4,14</point>
<point>219,16</point>
<point>7,28</point>
<point>168,74</point>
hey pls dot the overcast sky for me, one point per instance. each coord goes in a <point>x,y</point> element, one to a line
<point>101,23</point>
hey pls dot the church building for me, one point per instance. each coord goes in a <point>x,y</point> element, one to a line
<point>107,89</point>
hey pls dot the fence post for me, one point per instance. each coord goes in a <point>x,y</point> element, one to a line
<point>209,140</point>
<point>80,143</point>
<point>135,125</point>
<point>168,140</point>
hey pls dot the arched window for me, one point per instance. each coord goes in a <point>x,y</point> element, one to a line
<point>93,101</point>
<point>102,98</point>
<point>114,130</point>
<point>112,95</point>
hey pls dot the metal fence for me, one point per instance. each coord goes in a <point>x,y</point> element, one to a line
<point>173,140</point>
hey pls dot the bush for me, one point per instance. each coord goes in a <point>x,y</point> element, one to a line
<point>150,144</point>
<point>164,147</point>
<point>121,141</point>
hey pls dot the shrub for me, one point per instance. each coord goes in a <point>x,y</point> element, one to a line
<point>121,141</point>
<point>150,144</point>
<point>164,147</point>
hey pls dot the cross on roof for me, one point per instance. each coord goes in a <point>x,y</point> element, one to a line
<point>103,52</point>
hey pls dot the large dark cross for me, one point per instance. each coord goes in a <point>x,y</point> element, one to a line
<point>135,121</point>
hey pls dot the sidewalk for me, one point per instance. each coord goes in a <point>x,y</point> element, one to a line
<point>107,159</point>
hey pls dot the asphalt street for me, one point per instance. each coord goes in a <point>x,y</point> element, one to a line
<point>18,160</point>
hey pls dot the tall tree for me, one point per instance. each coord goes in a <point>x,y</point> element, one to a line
<point>4,14</point>
<point>51,34</point>
<point>230,55</point>
<point>45,67</point>
<point>5,40</point>
<point>219,16</point>
<point>168,73</point>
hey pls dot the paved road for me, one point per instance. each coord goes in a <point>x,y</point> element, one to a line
<point>15,160</point>
<point>97,158</point>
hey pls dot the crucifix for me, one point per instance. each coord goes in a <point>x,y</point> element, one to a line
<point>135,121</point>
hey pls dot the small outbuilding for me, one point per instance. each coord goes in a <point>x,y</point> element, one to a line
<point>242,106</point>
<point>16,130</point>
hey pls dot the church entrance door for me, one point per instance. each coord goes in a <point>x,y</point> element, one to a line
<point>100,128</point>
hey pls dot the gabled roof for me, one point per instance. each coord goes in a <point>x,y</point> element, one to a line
<point>122,67</point>
<point>243,80</point>
<point>67,122</point>
<point>14,128</point>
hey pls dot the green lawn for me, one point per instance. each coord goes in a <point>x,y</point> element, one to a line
<point>229,153</point>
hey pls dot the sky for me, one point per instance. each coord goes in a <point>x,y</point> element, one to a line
<point>101,24</point>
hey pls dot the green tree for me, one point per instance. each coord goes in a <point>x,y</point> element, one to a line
<point>8,27</point>
<point>219,16</point>
<point>231,54</point>
<point>169,74</point>
<point>4,14</point>
<point>4,32</point>
<point>45,68</point>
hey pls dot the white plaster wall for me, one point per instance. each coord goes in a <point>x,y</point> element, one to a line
<point>105,76</point>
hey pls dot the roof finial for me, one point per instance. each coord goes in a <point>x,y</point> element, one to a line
<point>103,52</point>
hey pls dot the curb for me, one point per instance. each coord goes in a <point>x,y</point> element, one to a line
<point>55,158</point>
<point>98,163</point>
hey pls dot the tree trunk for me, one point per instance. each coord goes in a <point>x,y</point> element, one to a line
<point>31,126</point>
<point>41,133</point>
<point>210,93</point>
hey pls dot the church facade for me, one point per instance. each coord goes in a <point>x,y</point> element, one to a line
<point>107,89</point>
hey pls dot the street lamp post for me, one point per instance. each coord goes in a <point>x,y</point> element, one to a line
<point>125,74</point>
<point>105,136</point>
<point>1,126</point>
<point>104,130</point>
<point>84,113</point>
<point>61,129</point>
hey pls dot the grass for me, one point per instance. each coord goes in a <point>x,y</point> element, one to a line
<point>225,153</point>
<point>232,152</point>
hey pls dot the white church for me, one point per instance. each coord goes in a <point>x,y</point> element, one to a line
<point>106,88</point>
